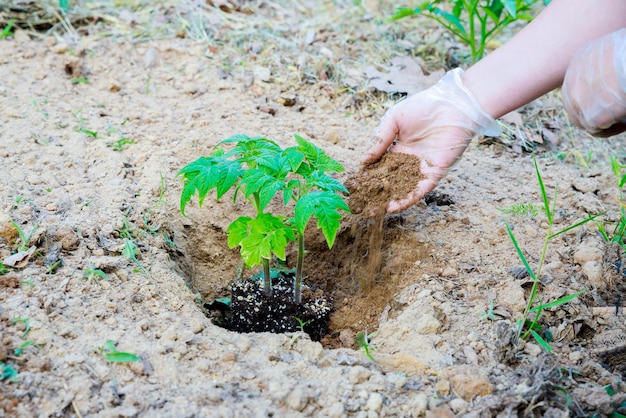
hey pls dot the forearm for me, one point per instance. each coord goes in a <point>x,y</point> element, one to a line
<point>534,61</point>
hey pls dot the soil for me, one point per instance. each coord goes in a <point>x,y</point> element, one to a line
<point>90,167</point>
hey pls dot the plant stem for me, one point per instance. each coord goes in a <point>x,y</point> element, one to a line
<point>297,289</point>
<point>267,278</point>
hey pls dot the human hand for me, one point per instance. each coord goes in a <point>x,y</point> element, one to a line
<point>435,125</point>
<point>594,89</point>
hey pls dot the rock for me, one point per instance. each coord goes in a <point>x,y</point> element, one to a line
<point>403,363</point>
<point>449,272</point>
<point>458,405</point>
<point>427,324</point>
<point>442,411</point>
<point>375,402</point>
<point>358,374</point>
<point>419,403</point>
<point>443,387</point>
<point>590,249</point>
<point>468,381</point>
<point>196,325</point>
<point>297,399</point>
<point>511,296</point>
<point>336,410</point>
<point>585,185</point>
<point>575,356</point>
<point>532,349</point>
<point>594,271</point>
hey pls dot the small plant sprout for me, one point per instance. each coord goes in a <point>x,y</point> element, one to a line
<point>111,353</point>
<point>94,274</point>
<point>25,321</point>
<point>7,30</point>
<point>521,209</point>
<point>363,340</point>
<point>259,169</point>
<point>529,325</point>
<point>7,372</point>
<point>22,242</point>
<point>616,233</point>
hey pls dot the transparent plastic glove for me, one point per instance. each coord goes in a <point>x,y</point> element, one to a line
<point>435,125</point>
<point>594,89</point>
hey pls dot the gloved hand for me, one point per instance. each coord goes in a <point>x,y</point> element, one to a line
<point>594,89</point>
<point>436,125</point>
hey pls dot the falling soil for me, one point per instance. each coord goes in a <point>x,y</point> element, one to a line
<point>391,178</point>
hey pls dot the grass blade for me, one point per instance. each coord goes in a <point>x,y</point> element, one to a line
<point>519,252</point>
<point>541,341</point>
<point>544,195</point>
<point>577,224</point>
<point>560,301</point>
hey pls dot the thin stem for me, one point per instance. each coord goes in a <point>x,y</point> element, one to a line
<point>267,278</point>
<point>297,290</point>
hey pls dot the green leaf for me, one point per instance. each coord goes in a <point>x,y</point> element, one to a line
<point>577,224</point>
<point>511,7</point>
<point>238,231</point>
<point>64,5</point>
<point>544,195</point>
<point>316,157</point>
<point>402,12</point>
<point>325,182</point>
<point>559,301</point>
<point>7,29</point>
<point>261,182</point>
<point>520,254</point>
<point>121,357</point>
<point>325,207</point>
<point>542,342</point>
<point>294,158</point>
<point>267,234</point>
<point>207,173</point>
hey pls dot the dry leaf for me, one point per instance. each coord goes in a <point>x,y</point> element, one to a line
<point>19,260</point>
<point>404,75</point>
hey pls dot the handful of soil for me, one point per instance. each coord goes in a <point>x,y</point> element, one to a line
<point>392,177</point>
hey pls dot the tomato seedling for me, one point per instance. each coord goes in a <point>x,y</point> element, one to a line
<point>259,169</point>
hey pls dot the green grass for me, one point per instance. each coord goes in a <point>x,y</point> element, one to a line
<point>521,209</point>
<point>529,325</point>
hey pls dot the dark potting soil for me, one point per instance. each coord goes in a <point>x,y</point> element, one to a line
<point>251,310</point>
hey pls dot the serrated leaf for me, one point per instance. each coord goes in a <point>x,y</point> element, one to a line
<point>294,158</point>
<point>238,231</point>
<point>267,234</point>
<point>316,157</point>
<point>324,206</point>
<point>201,176</point>
<point>230,172</point>
<point>326,183</point>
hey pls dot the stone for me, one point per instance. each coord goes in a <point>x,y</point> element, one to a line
<point>297,399</point>
<point>458,405</point>
<point>468,381</point>
<point>419,403</point>
<point>594,271</point>
<point>590,249</point>
<point>375,402</point>
<point>511,297</point>
<point>427,324</point>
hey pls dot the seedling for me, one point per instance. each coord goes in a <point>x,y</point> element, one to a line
<point>7,30</point>
<point>81,125</point>
<point>22,243</point>
<point>3,269</point>
<point>258,168</point>
<point>94,274</point>
<point>51,269</point>
<point>8,372</point>
<point>130,252</point>
<point>18,351</point>
<point>110,353</point>
<point>474,22</point>
<point>24,321</point>
<point>529,325</point>
<point>363,340</point>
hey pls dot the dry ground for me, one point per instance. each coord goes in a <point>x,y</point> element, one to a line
<point>97,118</point>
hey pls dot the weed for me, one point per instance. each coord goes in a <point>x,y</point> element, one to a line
<point>490,314</point>
<point>8,372</point>
<point>616,234</point>
<point>3,269</point>
<point>111,353</point>
<point>529,325</point>
<point>22,243</point>
<point>28,283</point>
<point>79,80</point>
<point>521,209</point>
<point>20,320</point>
<point>18,351</point>
<point>94,274</point>
<point>7,30</point>
<point>119,144</point>
<point>81,125</point>
<point>474,22</point>
<point>363,340</point>
<point>130,252</point>
<point>51,269</point>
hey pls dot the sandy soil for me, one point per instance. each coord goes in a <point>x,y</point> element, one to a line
<point>438,348</point>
